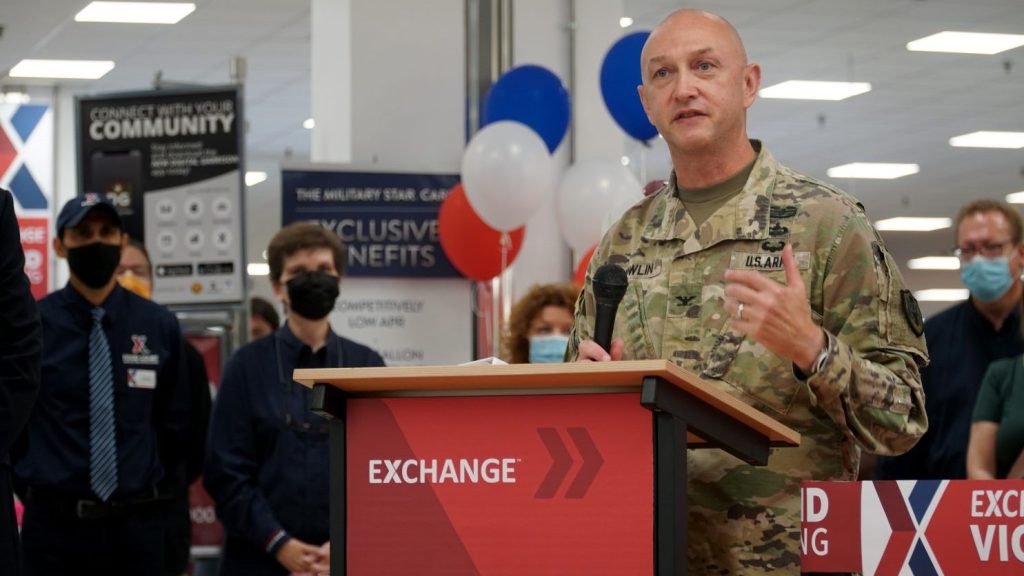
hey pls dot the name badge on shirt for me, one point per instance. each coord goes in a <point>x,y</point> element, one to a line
<point>140,378</point>
<point>644,269</point>
<point>766,262</point>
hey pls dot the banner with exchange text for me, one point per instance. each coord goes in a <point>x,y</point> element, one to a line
<point>919,527</point>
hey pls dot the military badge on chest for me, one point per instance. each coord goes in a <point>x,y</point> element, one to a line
<point>778,230</point>
<point>778,234</point>
<point>782,212</point>
<point>684,303</point>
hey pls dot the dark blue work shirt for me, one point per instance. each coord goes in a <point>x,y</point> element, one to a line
<point>961,345</point>
<point>267,454</point>
<point>151,395</point>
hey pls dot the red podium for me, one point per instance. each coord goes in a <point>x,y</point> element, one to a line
<point>522,469</point>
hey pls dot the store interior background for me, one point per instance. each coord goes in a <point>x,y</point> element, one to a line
<point>386,83</point>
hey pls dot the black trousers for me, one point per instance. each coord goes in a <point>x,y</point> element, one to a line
<point>56,541</point>
<point>10,551</point>
<point>177,524</point>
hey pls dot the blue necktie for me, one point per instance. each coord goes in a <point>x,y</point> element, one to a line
<point>102,438</point>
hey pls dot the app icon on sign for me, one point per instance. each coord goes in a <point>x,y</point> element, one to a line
<point>165,210</point>
<point>222,238</point>
<point>221,207</point>
<point>194,208</point>
<point>194,239</point>
<point>166,241</point>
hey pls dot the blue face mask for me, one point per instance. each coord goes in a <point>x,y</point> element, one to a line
<point>548,349</point>
<point>987,279</point>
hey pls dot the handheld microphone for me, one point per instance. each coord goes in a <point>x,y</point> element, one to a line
<point>609,285</point>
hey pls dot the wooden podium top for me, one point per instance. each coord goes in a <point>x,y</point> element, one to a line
<point>564,378</point>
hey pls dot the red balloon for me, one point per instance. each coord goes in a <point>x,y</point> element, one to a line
<point>473,247</point>
<point>580,277</point>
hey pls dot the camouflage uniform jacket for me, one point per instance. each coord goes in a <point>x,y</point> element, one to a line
<point>746,519</point>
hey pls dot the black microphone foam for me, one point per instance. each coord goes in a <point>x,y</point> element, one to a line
<point>609,284</point>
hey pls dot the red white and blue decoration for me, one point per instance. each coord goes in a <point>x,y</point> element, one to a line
<point>26,169</point>
<point>913,527</point>
<point>26,155</point>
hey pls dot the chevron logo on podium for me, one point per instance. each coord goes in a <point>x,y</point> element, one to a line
<point>561,463</point>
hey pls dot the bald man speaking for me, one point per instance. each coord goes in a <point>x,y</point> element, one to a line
<point>770,284</point>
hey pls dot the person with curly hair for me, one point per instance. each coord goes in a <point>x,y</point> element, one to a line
<point>540,323</point>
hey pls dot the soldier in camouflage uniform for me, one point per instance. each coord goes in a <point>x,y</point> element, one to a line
<point>783,296</point>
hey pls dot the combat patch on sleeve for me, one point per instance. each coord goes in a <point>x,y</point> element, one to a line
<point>912,311</point>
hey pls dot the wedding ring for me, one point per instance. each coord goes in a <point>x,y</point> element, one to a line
<point>739,311</point>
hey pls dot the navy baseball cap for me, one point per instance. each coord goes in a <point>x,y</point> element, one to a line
<point>76,209</point>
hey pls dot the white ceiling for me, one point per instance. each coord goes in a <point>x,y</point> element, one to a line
<point>918,100</point>
<point>272,35</point>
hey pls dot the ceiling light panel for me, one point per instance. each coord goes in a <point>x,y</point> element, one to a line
<point>966,43</point>
<point>814,90</point>
<point>254,177</point>
<point>257,269</point>
<point>1016,197</point>
<point>14,97</point>
<point>136,12</point>
<point>934,263</point>
<point>873,170</point>
<point>913,224</point>
<point>66,69</point>
<point>941,295</point>
<point>988,139</point>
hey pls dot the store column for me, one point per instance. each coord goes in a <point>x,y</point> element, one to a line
<point>331,80</point>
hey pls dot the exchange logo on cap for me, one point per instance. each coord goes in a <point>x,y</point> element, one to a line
<point>76,209</point>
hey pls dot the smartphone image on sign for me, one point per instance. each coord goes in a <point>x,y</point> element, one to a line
<point>117,174</point>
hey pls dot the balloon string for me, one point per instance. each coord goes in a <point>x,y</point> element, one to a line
<point>488,318</point>
<point>506,243</point>
<point>479,310</point>
<point>506,301</point>
<point>500,292</point>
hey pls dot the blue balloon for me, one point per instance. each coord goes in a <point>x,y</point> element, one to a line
<point>531,95</point>
<point>620,75</point>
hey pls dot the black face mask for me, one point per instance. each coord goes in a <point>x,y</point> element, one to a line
<point>312,294</point>
<point>94,264</point>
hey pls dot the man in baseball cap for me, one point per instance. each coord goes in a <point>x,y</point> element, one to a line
<point>112,417</point>
<point>77,208</point>
<point>90,237</point>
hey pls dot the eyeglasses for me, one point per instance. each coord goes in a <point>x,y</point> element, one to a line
<point>988,250</point>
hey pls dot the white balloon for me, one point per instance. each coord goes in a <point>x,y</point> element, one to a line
<point>590,193</point>
<point>507,173</point>
<point>617,208</point>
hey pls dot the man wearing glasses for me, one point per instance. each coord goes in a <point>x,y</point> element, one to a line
<point>966,338</point>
